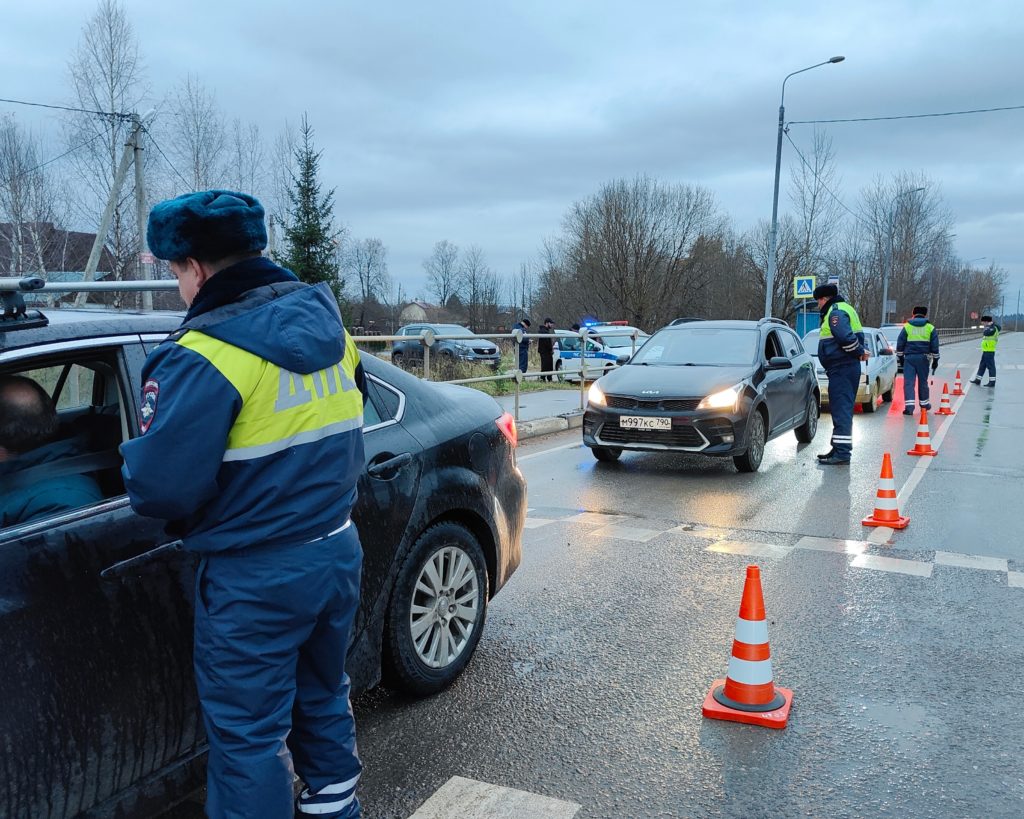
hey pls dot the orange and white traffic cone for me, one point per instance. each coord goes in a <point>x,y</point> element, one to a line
<point>958,387</point>
<point>886,512</point>
<point>923,446</point>
<point>944,408</point>
<point>748,694</point>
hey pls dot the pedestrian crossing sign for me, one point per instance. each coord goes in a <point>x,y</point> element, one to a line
<point>803,287</point>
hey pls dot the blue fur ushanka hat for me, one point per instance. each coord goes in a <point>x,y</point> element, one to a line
<point>208,226</point>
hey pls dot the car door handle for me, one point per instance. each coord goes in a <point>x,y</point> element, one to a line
<point>791,376</point>
<point>133,564</point>
<point>388,467</point>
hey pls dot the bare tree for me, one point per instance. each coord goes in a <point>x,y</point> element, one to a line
<point>199,139</point>
<point>368,264</point>
<point>106,75</point>
<point>245,162</point>
<point>283,169</point>
<point>477,287</point>
<point>442,267</point>
<point>819,214</point>
<point>29,200</point>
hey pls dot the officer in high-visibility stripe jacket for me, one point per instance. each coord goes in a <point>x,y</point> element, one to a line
<point>840,351</point>
<point>989,341</point>
<point>252,445</point>
<point>917,345</point>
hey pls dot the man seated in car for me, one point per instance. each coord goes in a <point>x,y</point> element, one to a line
<point>32,483</point>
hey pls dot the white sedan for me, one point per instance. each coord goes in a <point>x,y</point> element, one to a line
<point>878,373</point>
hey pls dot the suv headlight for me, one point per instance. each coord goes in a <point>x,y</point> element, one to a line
<point>595,395</point>
<point>723,399</point>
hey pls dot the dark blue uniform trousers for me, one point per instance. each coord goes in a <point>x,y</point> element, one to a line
<point>524,357</point>
<point>915,368</point>
<point>272,629</point>
<point>988,362</point>
<point>843,381</point>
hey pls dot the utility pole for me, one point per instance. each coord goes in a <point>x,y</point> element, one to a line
<point>131,151</point>
<point>145,265</point>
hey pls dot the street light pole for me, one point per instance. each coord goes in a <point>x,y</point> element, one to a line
<point>889,267</point>
<point>770,276</point>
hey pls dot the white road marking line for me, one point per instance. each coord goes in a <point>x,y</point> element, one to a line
<point>992,564</point>
<point>460,798</point>
<point>622,532</point>
<point>536,523</point>
<point>749,548</point>
<point>594,518</point>
<point>1015,579</point>
<point>893,564</point>
<point>880,535</point>
<point>907,490</point>
<point>825,544</point>
<point>530,455</point>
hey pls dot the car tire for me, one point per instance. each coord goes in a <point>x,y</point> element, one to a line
<point>559,376</point>
<point>887,395</point>
<point>872,403</point>
<point>750,459</point>
<point>398,360</point>
<point>606,454</point>
<point>421,657</point>
<point>808,429</point>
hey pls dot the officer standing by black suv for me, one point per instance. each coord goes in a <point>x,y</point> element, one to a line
<point>840,351</point>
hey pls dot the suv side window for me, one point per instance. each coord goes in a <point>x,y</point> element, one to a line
<point>65,458</point>
<point>570,344</point>
<point>793,344</point>
<point>772,348</point>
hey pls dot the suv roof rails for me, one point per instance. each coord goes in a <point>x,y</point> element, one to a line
<point>685,320</point>
<point>773,320</point>
<point>33,284</point>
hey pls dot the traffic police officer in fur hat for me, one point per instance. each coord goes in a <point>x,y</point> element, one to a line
<point>251,445</point>
<point>840,351</point>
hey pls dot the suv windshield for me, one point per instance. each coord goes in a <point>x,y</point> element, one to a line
<point>705,346</point>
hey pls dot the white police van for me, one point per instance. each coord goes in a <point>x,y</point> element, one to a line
<point>598,345</point>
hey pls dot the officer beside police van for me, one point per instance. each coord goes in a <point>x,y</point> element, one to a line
<point>251,444</point>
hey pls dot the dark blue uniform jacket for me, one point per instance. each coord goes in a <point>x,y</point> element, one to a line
<point>845,346</point>
<point>177,469</point>
<point>930,347</point>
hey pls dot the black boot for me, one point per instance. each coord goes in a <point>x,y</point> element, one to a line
<point>824,456</point>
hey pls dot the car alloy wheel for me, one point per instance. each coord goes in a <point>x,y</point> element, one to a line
<point>750,460</point>
<point>437,610</point>
<point>808,429</point>
<point>445,607</point>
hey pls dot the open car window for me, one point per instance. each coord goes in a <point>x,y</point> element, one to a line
<point>59,452</point>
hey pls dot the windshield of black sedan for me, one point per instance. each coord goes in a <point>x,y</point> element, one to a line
<point>701,346</point>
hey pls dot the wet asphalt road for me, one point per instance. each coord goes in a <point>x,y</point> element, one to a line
<point>588,681</point>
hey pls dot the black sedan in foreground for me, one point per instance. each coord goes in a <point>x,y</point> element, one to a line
<point>709,387</point>
<point>100,715</point>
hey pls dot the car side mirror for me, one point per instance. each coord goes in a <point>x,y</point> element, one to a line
<point>779,362</point>
<point>622,359</point>
<point>885,351</point>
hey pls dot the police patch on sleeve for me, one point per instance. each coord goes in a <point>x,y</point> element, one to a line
<point>834,321</point>
<point>150,393</point>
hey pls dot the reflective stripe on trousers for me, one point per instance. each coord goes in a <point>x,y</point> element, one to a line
<point>843,383</point>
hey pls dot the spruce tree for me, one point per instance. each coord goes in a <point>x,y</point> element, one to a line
<point>311,238</point>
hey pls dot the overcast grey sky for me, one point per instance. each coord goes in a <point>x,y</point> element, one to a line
<point>481,123</point>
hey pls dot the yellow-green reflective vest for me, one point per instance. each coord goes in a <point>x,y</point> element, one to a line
<point>988,343</point>
<point>915,333</point>
<point>855,325</point>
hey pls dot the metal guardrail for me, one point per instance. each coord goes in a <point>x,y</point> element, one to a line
<point>428,338</point>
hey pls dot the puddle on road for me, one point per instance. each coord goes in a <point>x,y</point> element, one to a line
<point>986,420</point>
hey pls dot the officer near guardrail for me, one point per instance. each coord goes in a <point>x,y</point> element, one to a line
<point>840,351</point>
<point>252,445</point>
<point>989,342</point>
<point>917,345</point>
<point>524,344</point>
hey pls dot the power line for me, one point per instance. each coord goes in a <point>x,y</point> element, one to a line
<point>907,116</point>
<point>113,115</point>
<point>168,161</point>
<point>828,190</point>
<point>55,159</point>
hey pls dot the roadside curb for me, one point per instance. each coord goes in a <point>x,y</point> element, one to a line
<point>549,426</point>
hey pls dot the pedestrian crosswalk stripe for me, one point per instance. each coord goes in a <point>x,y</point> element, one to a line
<point>916,568</point>
<point>622,532</point>
<point>824,544</point>
<point>749,548</point>
<point>993,564</point>
<point>460,798</point>
<point>1015,579</point>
